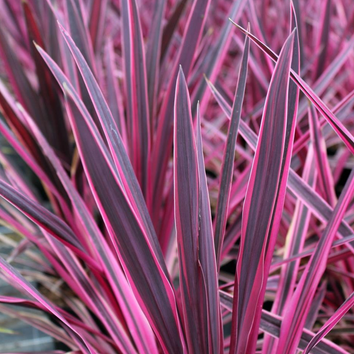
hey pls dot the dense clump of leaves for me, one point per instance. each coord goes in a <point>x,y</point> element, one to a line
<point>173,184</point>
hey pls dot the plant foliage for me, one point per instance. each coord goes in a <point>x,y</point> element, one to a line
<point>171,183</point>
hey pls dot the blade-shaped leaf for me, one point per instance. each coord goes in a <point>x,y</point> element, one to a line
<point>153,52</point>
<point>125,172</point>
<point>163,141</point>
<point>294,245</point>
<point>295,183</point>
<point>186,191</point>
<point>150,284</point>
<point>15,276</point>
<point>297,309</point>
<point>139,257</point>
<point>263,205</point>
<point>136,91</point>
<point>330,323</point>
<point>323,38</point>
<point>45,219</point>
<point>97,18</point>
<point>297,229</point>
<point>229,155</point>
<point>325,173</point>
<point>336,124</point>
<point>114,97</point>
<point>54,127</point>
<point>22,87</point>
<point>219,51</point>
<point>40,322</point>
<point>138,326</point>
<point>78,30</point>
<point>271,323</point>
<point>207,252</point>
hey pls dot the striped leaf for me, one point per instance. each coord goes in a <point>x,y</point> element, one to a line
<point>263,205</point>
<point>229,155</point>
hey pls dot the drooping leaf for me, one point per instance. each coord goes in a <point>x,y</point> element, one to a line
<point>122,166</point>
<point>139,257</point>
<point>45,219</point>
<point>13,274</point>
<point>330,323</point>
<point>138,327</point>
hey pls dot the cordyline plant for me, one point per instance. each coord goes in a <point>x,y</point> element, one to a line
<point>171,183</point>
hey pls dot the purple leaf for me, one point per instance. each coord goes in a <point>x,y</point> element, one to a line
<point>207,252</point>
<point>136,91</point>
<point>263,203</point>
<point>229,155</point>
<point>186,191</point>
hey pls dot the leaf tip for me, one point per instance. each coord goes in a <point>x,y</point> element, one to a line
<point>180,70</point>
